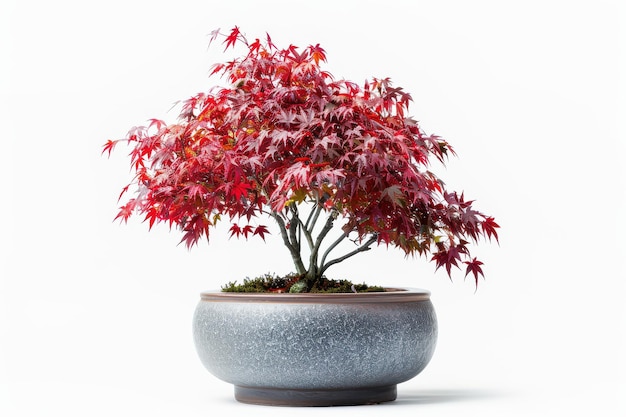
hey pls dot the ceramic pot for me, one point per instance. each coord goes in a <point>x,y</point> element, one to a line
<point>315,349</point>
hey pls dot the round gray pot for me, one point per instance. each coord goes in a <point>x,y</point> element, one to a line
<point>315,349</point>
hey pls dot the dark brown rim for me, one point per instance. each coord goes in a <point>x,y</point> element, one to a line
<point>391,295</point>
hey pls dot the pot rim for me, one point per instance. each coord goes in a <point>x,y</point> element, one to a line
<point>391,295</point>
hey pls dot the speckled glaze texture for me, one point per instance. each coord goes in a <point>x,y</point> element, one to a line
<point>315,343</point>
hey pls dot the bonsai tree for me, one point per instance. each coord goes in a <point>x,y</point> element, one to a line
<point>288,142</point>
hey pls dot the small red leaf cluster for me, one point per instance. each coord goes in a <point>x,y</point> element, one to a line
<point>284,132</point>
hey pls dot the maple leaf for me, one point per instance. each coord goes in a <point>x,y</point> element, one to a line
<point>473,267</point>
<point>152,216</point>
<point>232,38</point>
<point>157,123</point>
<point>124,190</point>
<point>235,230</point>
<point>298,58</point>
<point>194,229</point>
<point>449,257</point>
<point>108,147</point>
<point>328,141</point>
<point>394,194</point>
<point>240,189</point>
<point>489,227</point>
<point>189,238</point>
<point>247,229</point>
<point>216,68</point>
<point>196,190</point>
<point>287,117</point>
<point>269,42</point>
<point>255,46</point>
<point>261,231</point>
<point>452,260</point>
<point>214,34</point>
<point>318,54</point>
<point>126,211</point>
<point>442,258</point>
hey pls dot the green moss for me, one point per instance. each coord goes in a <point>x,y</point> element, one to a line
<point>265,283</point>
<point>293,283</point>
<point>298,287</point>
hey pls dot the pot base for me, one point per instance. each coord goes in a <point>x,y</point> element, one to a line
<point>315,398</point>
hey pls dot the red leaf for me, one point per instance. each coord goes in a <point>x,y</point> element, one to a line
<point>194,229</point>
<point>394,194</point>
<point>214,34</point>
<point>216,68</point>
<point>247,229</point>
<point>235,230</point>
<point>232,38</point>
<point>489,227</point>
<point>261,231</point>
<point>318,54</point>
<point>473,267</point>
<point>255,46</point>
<point>240,189</point>
<point>126,211</point>
<point>152,216</point>
<point>124,190</point>
<point>189,238</point>
<point>159,124</point>
<point>108,147</point>
<point>269,42</point>
<point>195,190</point>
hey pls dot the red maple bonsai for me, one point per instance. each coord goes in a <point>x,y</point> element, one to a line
<point>287,141</point>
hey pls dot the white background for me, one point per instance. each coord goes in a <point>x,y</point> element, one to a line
<point>95,318</point>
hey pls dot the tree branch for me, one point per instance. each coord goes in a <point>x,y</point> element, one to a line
<point>294,224</point>
<point>360,249</point>
<point>313,210</point>
<point>295,254</point>
<point>332,246</point>
<point>307,234</point>
<point>318,242</point>
<point>316,212</point>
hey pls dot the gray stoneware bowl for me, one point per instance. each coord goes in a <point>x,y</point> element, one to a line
<point>315,349</point>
